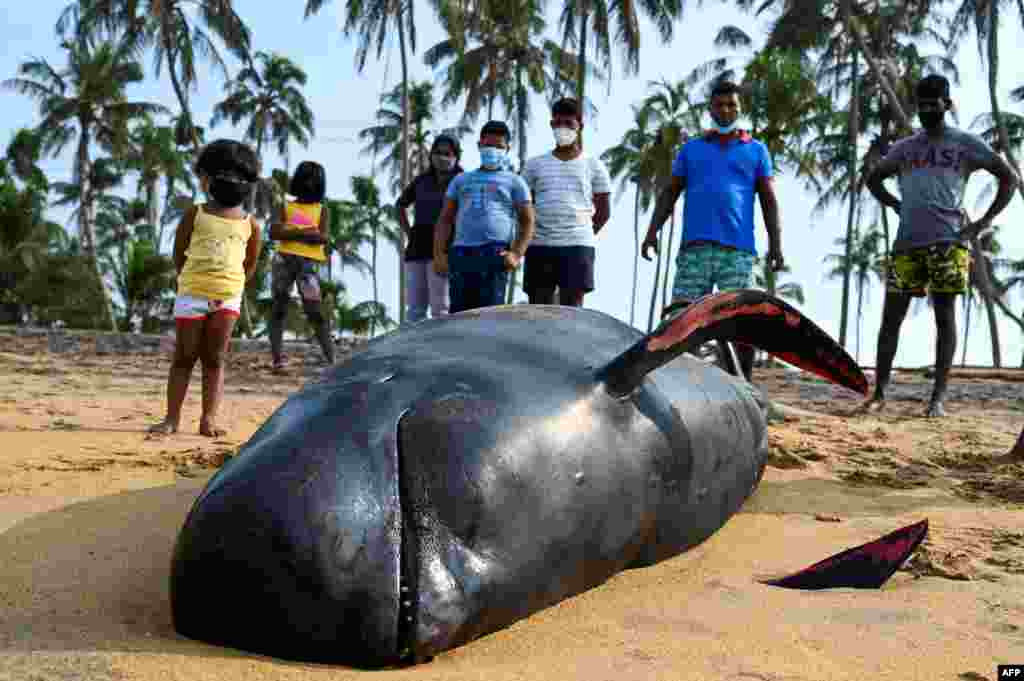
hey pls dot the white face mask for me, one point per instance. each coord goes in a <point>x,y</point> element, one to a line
<point>565,137</point>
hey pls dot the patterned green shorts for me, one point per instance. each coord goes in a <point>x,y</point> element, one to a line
<point>942,268</point>
<point>700,268</point>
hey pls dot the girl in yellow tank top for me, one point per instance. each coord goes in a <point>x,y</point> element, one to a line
<point>216,247</point>
<point>301,230</point>
<point>215,257</point>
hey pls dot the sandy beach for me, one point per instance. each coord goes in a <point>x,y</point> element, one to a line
<point>90,506</point>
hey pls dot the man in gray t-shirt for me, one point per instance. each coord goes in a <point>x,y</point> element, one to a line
<point>930,254</point>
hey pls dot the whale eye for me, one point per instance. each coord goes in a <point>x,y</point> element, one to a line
<point>385,378</point>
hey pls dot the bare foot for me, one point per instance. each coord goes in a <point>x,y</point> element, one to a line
<point>210,429</point>
<point>873,405</point>
<point>165,427</point>
<point>935,410</point>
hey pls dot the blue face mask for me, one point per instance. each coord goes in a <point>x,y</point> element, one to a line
<point>726,129</point>
<point>492,157</point>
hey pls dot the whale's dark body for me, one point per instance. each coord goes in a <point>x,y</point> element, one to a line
<point>464,473</point>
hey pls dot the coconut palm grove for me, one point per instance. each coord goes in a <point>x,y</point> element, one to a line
<point>827,86</point>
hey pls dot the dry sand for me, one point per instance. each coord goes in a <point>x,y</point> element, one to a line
<point>90,506</point>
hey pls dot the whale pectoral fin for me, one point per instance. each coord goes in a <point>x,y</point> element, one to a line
<point>867,566</point>
<point>745,316</point>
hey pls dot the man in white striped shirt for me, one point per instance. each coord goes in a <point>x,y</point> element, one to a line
<point>572,198</point>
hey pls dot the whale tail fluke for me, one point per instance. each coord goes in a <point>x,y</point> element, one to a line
<point>867,566</point>
<point>745,316</point>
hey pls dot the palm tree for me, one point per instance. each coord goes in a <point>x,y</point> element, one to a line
<point>25,234</point>
<point>768,279</point>
<point>154,156</point>
<point>859,262</point>
<point>143,277</point>
<point>361,318</point>
<point>376,218</point>
<point>267,93</point>
<point>631,161</point>
<point>86,100</point>
<point>804,25</point>
<point>992,249</point>
<point>178,31</point>
<point>495,50</point>
<point>678,117</point>
<point>580,17</point>
<point>985,17</point>
<point>384,140</point>
<point>1015,281</point>
<point>22,157</point>
<point>983,278</point>
<point>372,20</point>
<point>346,236</point>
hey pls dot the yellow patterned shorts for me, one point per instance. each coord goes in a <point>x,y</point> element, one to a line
<point>942,268</point>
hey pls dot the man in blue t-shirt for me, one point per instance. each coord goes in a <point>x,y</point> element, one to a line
<point>493,219</point>
<point>720,171</point>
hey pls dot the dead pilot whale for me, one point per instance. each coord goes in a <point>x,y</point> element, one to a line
<point>463,473</point>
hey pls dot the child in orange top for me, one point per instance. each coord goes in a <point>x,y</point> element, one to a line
<point>215,251</point>
<point>301,229</point>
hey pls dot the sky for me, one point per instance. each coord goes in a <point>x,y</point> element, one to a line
<point>344,100</point>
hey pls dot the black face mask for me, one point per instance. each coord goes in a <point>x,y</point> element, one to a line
<point>229,192</point>
<point>930,119</point>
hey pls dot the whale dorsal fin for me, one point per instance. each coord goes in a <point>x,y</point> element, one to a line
<point>746,316</point>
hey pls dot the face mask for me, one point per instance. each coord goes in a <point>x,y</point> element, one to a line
<point>492,157</point>
<point>229,192</point>
<point>565,137</point>
<point>442,163</point>
<point>726,129</point>
<point>930,119</point>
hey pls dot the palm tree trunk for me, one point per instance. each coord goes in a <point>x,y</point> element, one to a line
<point>179,92</point>
<point>993,92</point>
<point>521,96</point>
<point>860,313</point>
<point>376,294</point>
<point>885,234</point>
<point>882,207</point>
<point>967,327</point>
<point>771,279</point>
<point>493,80</point>
<point>851,226</point>
<point>853,28</point>
<point>668,261</point>
<point>981,264</point>
<point>581,58</point>
<point>152,204</point>
<point>987,288</point>
<point>406,113</point>
<point>654,291</point>
<point>636,251</point>
<point>86,224</point>
<point>250,202</point>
